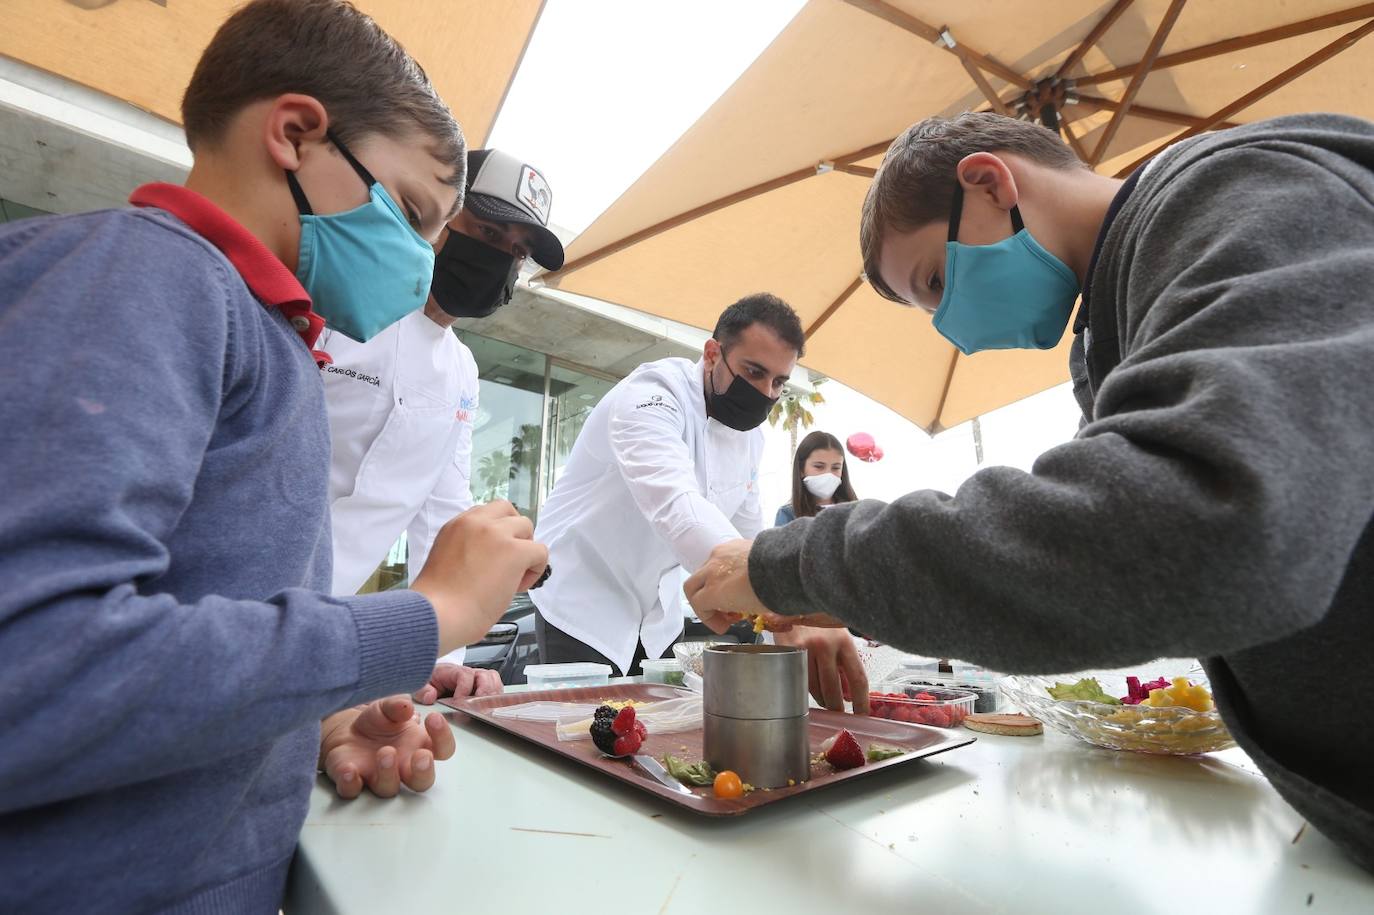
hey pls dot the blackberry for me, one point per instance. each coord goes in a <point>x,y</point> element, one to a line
<point>605,711</point>
<point>602,735</point>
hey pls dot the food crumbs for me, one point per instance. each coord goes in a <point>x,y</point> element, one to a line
<point>791,782</point>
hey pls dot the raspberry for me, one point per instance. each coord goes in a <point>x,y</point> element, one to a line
<point>624,723</point>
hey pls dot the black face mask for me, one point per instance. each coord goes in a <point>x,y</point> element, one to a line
<point>742,406</point>
<point>471,278</point>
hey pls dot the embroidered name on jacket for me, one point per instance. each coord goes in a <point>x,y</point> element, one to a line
<point>373,380</point>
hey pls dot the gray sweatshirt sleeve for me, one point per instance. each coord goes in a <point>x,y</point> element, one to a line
<point>1213,500</point>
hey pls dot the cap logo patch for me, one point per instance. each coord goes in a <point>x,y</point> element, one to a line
<point>534,193</point>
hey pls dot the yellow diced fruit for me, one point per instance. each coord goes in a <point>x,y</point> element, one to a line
<point>1183,694</point>
<point>758,624</point>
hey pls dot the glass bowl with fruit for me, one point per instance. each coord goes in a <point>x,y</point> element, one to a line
<point>1138,710</point>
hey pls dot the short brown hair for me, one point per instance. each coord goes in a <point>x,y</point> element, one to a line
<point>760,308</point>
<point>915,184</point>
<point>330,51</point>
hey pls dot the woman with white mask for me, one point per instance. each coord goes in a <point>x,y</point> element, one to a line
<point>820,478</point>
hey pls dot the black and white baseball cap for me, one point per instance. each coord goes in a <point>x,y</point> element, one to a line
<point>501,188</point>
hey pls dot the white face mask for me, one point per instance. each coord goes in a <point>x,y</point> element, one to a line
<point>822,485</point>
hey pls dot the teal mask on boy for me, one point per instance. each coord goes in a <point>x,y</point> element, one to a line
<point>365,268</point>
<point>1012,294</point>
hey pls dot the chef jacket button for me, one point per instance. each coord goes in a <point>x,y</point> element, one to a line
<point>300,322</point>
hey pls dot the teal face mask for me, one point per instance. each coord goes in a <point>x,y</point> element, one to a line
<point>1009,295</point>
<point>365,268</point>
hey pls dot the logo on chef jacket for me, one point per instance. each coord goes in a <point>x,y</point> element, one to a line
<point>753,478</point>
<point>655,400</point>
<point>466,407</point>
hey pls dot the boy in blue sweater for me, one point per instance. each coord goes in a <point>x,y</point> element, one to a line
<point>165,540</point>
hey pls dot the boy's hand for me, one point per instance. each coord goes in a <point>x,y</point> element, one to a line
<point>383,745</point>
<point>478,562</point>
<point>719,591</point>
<point>453,680</point>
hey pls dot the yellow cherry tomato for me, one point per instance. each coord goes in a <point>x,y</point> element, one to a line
<point>728,785</point>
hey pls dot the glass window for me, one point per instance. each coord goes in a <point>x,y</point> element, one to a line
<point>510,451</point>
<point>572,394</point>
<point>507,433</point>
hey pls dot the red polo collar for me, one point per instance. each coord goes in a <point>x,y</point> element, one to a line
<point>262,271</point>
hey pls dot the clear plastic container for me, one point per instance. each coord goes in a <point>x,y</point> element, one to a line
<point>932,705</point>
<point>560,676</point>
<point>663,670</point>
<point>986,684</point>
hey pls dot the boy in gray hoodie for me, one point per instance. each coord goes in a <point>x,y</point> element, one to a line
<point>1217,500</point>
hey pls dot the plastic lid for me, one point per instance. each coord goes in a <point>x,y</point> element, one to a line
<point>579,669</point>
<point>661,664</point>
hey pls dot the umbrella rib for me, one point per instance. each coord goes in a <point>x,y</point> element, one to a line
<point>1138,79</point>
<point>834,306</point>
<point>841,164</point>
<point>1094,37</point>
<point>982,83</point>
<point>915,26</point>
<point>658,228</point>
<point>863,171</point>
<point>1349,39</point>
<point>1239,43</point>
<point>1074,142</point>
<point>1144,111</point>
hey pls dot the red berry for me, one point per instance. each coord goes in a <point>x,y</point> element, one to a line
<point>624,722</point>
<point>640,730</point>
<point>626,745</point>
<point>845,753</point>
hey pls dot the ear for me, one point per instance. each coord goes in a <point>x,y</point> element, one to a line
<point>292,121</point>
<point>711,352</point>
<point>986,175</point>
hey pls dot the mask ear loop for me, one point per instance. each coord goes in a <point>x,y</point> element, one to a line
<point>362,172</point>
<point>302,202</point>
<point>956,213</point>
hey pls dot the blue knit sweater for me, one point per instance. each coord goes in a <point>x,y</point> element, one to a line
<point>165,656</point>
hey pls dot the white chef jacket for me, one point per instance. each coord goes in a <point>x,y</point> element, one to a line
<point>651,485</point>
<point>401,408</point>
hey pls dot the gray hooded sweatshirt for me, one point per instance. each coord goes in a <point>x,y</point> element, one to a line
<point>1216,502</point>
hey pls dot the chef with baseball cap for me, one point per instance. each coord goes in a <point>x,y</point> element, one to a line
<point>401,405</point>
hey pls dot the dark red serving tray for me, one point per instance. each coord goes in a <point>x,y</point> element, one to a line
<point>919,740</point>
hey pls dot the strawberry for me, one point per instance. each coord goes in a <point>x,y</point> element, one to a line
<point>624,722</point>
<point>641,731</point>
<point>627,744</point>
<point>845,753</point>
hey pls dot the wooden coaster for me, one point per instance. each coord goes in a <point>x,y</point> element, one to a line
<point>1017,725</point>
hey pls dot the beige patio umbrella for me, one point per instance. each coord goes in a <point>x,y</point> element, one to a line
<point>143,51</point>
<point>763,192</point>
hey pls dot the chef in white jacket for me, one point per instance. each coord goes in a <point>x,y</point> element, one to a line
<point>401,405</point>
<point>665,468</point>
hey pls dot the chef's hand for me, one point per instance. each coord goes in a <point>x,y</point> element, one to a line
<point>836,673</point>
<point>455,680</point>
<point>382,745</point>
<point>478,562</point>
<point>721,594</point>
